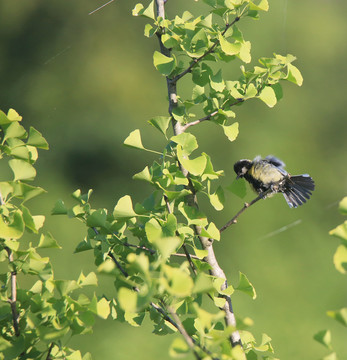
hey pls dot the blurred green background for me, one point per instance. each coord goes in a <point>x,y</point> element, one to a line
<point>86,81</point>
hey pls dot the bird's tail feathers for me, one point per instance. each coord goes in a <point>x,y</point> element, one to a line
<point>298,189</point>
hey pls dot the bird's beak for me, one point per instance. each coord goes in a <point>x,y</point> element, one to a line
<point>238,177</point>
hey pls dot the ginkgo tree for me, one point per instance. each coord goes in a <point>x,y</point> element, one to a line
<point>158,254</point>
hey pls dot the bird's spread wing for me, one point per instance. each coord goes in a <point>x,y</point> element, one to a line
<point>275,161</point>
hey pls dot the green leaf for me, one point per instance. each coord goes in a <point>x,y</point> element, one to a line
<point>103,308</point>
<point>179,113</point>
<point>195,166</point>
<point>263,5</point>
<point>209,172</point>
<point>139,262</point>
<point>148,12</point>
<point>134,140</point>
<point>268,96</point>
<point>124,208</point>
<point>187,141</point>
<point>47,241</point>
<point>193,215</point>
<point>169,41</point>
<point>97,218</point>
<point>4,120</point>
<point>75,355</point>
<point>83,246</point>
<point>201,76</point>
<point>179,348</point>
<point>89,280</point>
<point>12,228</point>
<point>343,206</point>
<point>167,245</point>
<point>324,338</point>
<point>331,356</point>
<point>340,232</point>
<point>87,356</point>
<point>59,208</point>
<point>64,287</point>
<point>217,82</point>
<point>238,187</point>
<point>203,283</point>
<point>82,198</point>
<point>227,47</point>
<point>164,64</point>
<point>245,286</point>
<point>340,259</point>
<point>5,189</point>
<point>36,139</point>
<point>277,88</point>
<point>251,92</point>
<point>294,75</point>
<point>161,123</point>
<point>143,175</point>
<point>22,170</point>
<point>13,115</point>
<point>25,191</point>
<point>14,130</point>
<point>33,223</point>
<point>211,232</point>
<point>179,283</point>
<point>198,44</point>
<point>231,131</point>
<point>245,52</point>
<point>217,199</point>
<point>339,315</point>
<point>153,230</point>
<point>127,299</point>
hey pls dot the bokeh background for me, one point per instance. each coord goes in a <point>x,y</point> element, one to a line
<point>86,81</point>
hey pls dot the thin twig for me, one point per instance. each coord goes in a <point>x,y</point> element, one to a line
<point>245,206</point>
<point>185,255</point>
<point>209,116</point>
<point>119,266</point>
<point>189,340</point>
<point>48,357</point>
<point>13,300</point>
<point>139,247</point>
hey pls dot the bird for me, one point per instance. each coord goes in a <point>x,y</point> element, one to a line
<point>268,177</point>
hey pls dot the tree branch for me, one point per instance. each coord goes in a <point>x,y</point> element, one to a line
<point>13,300</point>
<point>216,270</point>
<point>245,206</point>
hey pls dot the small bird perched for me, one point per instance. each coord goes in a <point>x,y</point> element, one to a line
<point>268,175</point>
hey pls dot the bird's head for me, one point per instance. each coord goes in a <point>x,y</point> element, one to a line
<point>241,167</point>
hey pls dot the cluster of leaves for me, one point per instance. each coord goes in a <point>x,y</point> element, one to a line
<point>152,249</point>
<point>35,322</point>
<point>340,262</point>
<point>141,247</point>
<point>195,42</point>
